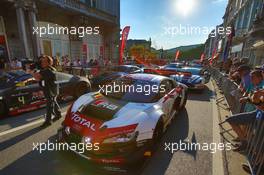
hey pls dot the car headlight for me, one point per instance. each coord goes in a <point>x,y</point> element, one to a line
<point>67,130</point>
<point>86,140</point>
<point>122,138</point>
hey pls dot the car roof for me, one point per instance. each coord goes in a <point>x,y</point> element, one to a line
<point>148,77</point>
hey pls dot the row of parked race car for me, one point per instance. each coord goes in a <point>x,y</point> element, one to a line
<point>125,124</point>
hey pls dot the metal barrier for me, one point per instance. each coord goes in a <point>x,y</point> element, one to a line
<point>255,146</point>
<point>254,131</point>
<point>230,90</point>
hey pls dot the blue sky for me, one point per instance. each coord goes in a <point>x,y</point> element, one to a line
<point>151,18</point>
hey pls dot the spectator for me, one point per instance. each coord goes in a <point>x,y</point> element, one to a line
<point>243,119</point>
<point>16,64</point>
<point>244,74</point>
<point>91,62</point>
<point>2,66</point>
<point>257,83</point>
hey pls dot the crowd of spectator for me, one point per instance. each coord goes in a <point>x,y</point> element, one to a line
<point>250,82</point>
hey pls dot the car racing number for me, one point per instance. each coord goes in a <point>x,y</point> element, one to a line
<point>22,98</point>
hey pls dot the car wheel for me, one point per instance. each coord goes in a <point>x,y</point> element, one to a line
<point>183,103</point>
<point>3,109</point>
<point>81,88</point>
<point>157,135</point>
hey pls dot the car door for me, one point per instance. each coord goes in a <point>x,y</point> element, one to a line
<point>168,98</point>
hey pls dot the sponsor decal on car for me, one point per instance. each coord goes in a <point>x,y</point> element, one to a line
<point>104,104</point>
<point>83,122</point>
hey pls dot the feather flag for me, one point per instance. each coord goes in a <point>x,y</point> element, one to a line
<point>123,43</point>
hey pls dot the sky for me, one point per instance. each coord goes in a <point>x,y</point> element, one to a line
<point>171,23</point>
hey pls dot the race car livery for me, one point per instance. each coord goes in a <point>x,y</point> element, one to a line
<point>125,125</point>
<point>20,92</point>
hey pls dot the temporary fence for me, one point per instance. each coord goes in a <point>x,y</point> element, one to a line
<point>255,130</point>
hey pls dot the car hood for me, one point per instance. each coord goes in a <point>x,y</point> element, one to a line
<point>97,116</point>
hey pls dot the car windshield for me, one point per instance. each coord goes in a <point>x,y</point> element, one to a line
<point>133,90</point>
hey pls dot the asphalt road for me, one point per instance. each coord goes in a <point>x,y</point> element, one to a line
<point>192,125</point>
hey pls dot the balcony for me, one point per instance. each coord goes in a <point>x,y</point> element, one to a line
<point>84,8</point>
<point>257,30</point>
<point>240,36</point>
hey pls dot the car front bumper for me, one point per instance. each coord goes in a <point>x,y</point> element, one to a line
<point>116,153</point>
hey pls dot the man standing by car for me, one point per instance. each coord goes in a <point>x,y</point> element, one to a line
<point>47,78</point>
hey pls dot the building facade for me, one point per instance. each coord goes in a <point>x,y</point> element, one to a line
<point>19,20</point>
<point>246,19</point>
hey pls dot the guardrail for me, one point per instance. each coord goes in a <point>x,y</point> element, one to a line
<point>255,130</point>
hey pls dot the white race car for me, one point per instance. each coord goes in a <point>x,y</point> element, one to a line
<point>122,125</point>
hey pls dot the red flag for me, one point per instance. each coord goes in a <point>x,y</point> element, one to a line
<point>177,55</point>
<point>123,43</point>
<point>202,57</point>
<point>214,53</point>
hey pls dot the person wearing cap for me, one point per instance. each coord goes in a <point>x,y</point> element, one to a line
<point>244,74</point>
<point>47,79</point>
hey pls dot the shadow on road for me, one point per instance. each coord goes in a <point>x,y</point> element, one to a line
<point>176,133</point>
<point>15,140</point>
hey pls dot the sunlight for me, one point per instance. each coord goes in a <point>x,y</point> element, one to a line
<point>184,7</point>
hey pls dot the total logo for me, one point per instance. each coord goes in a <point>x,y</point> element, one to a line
<point>77,119</point>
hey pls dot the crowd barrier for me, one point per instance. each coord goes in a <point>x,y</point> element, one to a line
<point>254,131</point>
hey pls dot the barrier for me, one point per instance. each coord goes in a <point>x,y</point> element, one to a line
<point>230,90</point>
<point>254,131</point>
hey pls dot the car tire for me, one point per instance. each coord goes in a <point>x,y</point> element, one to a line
<point>157,135</point>
<point>182,106</point>
<point>81,88</point>
<point>3,109</point>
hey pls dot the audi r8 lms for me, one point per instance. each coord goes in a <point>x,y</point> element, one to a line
<point>19,92</point>
<point>123,124</point>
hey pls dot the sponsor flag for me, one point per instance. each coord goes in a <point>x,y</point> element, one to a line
<point>202,57</point>
<point>228,44</point>
<point>123,43</point>
<point>177,55</point>
<point>214,53</point>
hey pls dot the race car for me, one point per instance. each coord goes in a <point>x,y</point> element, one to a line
<point>199,71</point>
<point>123,124</point>
<point>191,81</point>
<point>20,92</point>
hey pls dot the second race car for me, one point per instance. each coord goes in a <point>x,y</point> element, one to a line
<point>20,92</point>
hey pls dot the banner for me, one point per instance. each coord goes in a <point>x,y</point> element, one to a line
<point>214,53</point>
<point>123,43</point>
<point>177,55</point>
<point>202,57</point>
